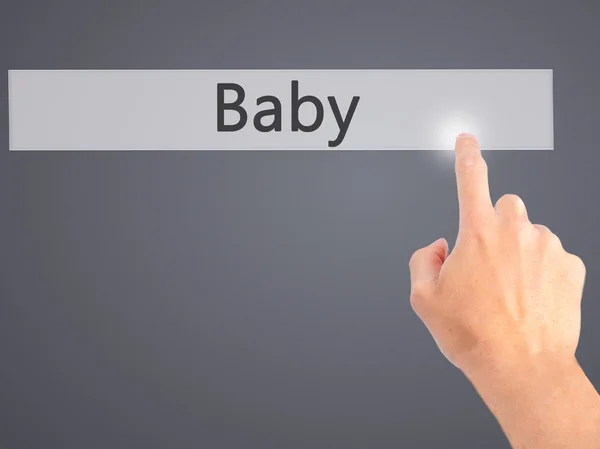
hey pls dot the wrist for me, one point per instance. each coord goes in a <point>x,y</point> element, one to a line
<point>520,376</point>
<point>513,371</point>
<point>549,399</point>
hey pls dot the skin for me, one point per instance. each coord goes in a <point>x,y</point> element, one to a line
<point>505,308</point>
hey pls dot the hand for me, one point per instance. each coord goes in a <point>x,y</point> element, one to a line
<point>504,307</point>
<point>508,291</point>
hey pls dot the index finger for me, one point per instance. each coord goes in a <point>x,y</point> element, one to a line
<point>474,199</point>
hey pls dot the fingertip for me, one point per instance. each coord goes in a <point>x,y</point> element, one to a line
<point>441,247</point>
<point>466,139</point>
<point>440,242</point>
<point>425,263</point>
<point>468,151</point>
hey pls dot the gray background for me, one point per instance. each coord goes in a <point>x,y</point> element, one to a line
<point>260,300</point>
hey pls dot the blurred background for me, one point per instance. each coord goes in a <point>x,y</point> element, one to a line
<point>231,300</point>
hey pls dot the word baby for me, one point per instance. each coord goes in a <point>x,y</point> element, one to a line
<point>274,111</point>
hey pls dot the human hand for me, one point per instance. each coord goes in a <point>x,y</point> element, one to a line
<point>509,292</point>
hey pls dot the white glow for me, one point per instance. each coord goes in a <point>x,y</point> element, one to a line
<point>450,127</point>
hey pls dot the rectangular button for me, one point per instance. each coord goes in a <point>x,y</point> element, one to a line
<point>279,109</point>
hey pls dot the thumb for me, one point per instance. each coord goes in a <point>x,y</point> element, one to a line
<point>426,263</point>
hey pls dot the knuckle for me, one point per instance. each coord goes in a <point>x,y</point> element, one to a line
<point>415,257</point>
<point>549,238</point>
<point>477,238</point>
<point>472,163</point>
<point>542,229</point>
<point>511,201</point>
<point>577,264</point>
<point>481,235</point>
<point>419,296</point>
<point>480,231</point>
<point>552,239</point>
<point>478,224</point>
<point>523,235</point>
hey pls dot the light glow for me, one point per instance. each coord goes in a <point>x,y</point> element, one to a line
<point>449,128</point>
